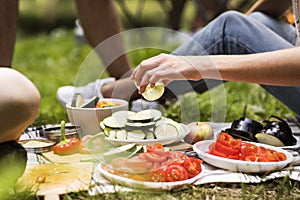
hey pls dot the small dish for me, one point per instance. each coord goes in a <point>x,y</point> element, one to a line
<point>202,147</point>
<point>145,185</point>
<point>53,133</point>
<point>38,145</point>
<point>88,118</point>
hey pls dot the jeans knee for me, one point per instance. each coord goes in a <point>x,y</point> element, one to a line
<point>232,17</point>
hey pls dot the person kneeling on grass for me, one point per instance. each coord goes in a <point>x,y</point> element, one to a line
<point>19,106</point>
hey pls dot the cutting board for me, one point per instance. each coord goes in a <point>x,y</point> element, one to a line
<point>77,157</point>
<point>60,178</point>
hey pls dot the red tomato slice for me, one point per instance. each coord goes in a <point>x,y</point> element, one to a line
<point>176,173</point>
<point>154,148</point>
<point>158,175</point>
<point>154,157</point>
<point>192,166</point>
<point>178,156</point>
<point>138,164</point>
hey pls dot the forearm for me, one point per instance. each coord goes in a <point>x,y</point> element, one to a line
<point>272,68</point>
<point>274,8</point>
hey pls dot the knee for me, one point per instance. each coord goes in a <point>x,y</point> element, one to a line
<point>232,17</point>
<point>18,112</point>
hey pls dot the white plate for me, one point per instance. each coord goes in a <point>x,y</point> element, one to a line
<point>219,127</point>
<point>201,148</point>
<point>167,140</point>
<point>153,186</point>
<point>294,147</point>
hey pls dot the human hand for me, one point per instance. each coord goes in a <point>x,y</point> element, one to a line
<point>165,68</point>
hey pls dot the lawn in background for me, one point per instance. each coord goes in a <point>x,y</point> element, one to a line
<point>52,60</point>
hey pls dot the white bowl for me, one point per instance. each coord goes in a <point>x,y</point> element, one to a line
<point>202,147</point>
<point>89,118</point>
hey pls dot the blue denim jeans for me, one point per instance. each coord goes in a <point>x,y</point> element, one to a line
<point>236,33</point>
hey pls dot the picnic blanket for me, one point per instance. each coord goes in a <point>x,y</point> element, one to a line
<point>216,175</point>
<point>211,174</point>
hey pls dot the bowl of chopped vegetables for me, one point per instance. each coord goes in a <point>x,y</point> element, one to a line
<point>87,113</point>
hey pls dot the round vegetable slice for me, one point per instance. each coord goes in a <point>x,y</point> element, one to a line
<point>123,113</point>
<point>267,138</point>
<point>158,175</point>
<point>136,135</point>
<point>114,122</point>
<point>91,103</point>
<point>176,173</point>
<point>77,100</point>
<point>155,113</point>
<point>139,126</point>
<point>140,118</point>
<point>192,166</point>
<point>166,130</point>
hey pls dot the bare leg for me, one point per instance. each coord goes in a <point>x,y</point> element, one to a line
<point>100,20</point>
<point>8,30</point>
<point>176,14</point>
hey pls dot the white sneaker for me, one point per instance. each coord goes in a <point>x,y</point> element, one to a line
<point>65,94</point>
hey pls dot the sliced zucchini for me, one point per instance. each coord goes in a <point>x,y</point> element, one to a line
<point>266,138</point>
<point>155,113</point>
<point>77,100</point>
<point>139,126</point>
<point>123,113</point>
<point>106,131</point>
<point>114,122</point>
<point>112,134</point>
<point>149,134</point>
<point>121,134</point>
<point>136,135</point>
<point>165,130</point>
<point>91,103</point>
<point>102,126</point>
<point>285,137</point>
<point>140,118</point>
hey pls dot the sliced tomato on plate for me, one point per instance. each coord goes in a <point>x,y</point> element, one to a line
<point>158,175</point>
<point>192,166</point>
<point>154,157</point>
<point>176,173</point>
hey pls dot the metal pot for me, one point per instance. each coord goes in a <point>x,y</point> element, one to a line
<point>53,133</point>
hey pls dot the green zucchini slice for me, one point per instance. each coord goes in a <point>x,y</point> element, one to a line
<point>139,126</point>
<point>114,122</point>
<point>266,138</point>
<point>91,103</point>
<point>77,100</point>
<point>140,118</point>
<point>155,113</point>
<point>166,130</point>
